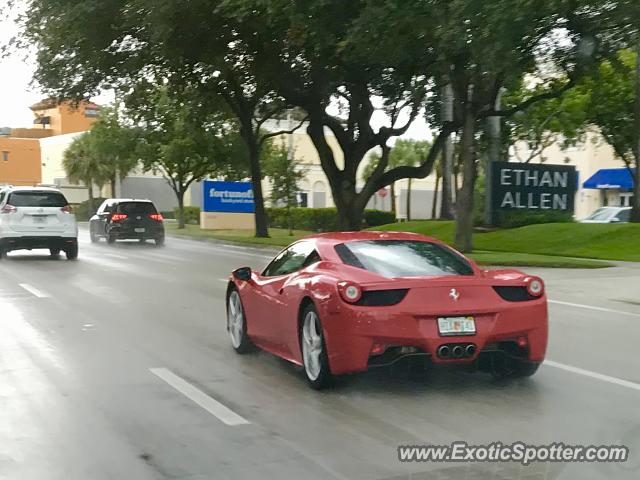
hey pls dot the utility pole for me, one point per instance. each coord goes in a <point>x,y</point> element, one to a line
<point>446,205</point>
<point>494,131</point>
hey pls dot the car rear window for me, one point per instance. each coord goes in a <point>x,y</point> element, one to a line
<point>136,208</point>
<point>37,199</point>
<point>402,258</point>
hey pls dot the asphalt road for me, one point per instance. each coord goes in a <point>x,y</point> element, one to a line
<point>118,366</point>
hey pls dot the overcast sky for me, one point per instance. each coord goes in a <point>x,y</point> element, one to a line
<point>17,92</point>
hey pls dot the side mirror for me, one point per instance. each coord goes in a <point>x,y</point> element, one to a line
<point>243,274</point>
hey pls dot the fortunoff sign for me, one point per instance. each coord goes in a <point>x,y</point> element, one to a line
<point>538,187</point>
<point>231,197</point>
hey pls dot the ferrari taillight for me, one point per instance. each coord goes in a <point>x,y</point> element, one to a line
<point>350,292</point>
<point>535,287</point>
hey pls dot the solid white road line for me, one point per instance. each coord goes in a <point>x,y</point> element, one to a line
<point>115,255</point>
<point>598,376</point>
<point>34,290</point>
<point>212,406</point>
<point>600,309</point>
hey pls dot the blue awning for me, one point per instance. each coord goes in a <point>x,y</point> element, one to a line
<point>616,178</point>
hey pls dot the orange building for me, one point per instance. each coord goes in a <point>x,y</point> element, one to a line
<point>20,151</point>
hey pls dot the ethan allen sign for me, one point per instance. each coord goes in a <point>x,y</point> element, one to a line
<point>522,186</point>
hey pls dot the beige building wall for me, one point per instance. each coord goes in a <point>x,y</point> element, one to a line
<point>588,157</point>
<point>316,185</point>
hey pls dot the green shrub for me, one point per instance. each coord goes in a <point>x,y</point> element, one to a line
<point>521,218</point>
<point>191,215</point>
<point>375,218</point>
<point>169,215</point>
<point>82,211</point>
<point>322,219</point>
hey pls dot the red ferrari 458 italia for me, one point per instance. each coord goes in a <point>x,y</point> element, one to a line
<point>339,303</point>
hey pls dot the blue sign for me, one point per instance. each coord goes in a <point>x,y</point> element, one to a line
<point>233,197</point>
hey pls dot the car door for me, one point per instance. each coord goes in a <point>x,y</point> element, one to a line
<point>270,306</point>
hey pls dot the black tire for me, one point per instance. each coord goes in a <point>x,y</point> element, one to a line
<point>54,252</point>
<point>3,253</point>
<point>93,237</point>
<point>111,238</point>
<point>240,341</point>
<point>318,376</point>
<point>160,241</point>
<point>71,252</point>
<point>525,369</point>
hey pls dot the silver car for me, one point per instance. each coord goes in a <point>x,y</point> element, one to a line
<point>609,215</point>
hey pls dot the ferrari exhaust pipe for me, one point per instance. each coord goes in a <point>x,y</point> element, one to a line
<point>444,351</point>
<point>470,350</point>
<point>457,351</point>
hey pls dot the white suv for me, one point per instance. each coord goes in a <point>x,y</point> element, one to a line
<point>37,217</point>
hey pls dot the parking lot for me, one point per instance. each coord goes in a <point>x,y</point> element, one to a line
<point>118,365</point>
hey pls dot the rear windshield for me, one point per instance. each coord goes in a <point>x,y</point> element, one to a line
<point>37,199</point>
<point>402,258</point>
<point>136,208</point>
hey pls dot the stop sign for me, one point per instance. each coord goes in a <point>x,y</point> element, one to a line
<point>382,192</point>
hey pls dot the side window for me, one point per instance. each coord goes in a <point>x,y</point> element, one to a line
<point>624,216</point>
<point>289,260</point>
<point>2,194</point>
<point>102,207</point>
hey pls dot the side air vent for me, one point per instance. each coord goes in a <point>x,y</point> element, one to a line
<point>382,298</point>
<point>514,294</point>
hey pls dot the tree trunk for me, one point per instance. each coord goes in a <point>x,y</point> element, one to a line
<point>92,210</point>
<point>464,204</point>
<point>180,195</point>
<point>494,130</point>
<point>408,199</point>
<point>446,208</point>
<point>392,193</point>
<point>635,210</point>
<point>113,186</point>
<point>256,180</point>
<point>434,205</point>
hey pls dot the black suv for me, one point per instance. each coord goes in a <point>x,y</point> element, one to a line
<point>127,219</point>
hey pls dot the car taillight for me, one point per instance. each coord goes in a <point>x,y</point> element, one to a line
<point>67,209</point>
<point>535,287</point>
<point>8,209</point>
<point>350,292</point>
<point>116,217</point>
<point>156,216</point>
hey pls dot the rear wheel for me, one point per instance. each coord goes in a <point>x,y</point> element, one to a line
<point>159,241</point>
<point>237,324</point>
<point>525,369</point>
<point>71,252</point>
<point>111,238</point>
<point>314,353</point>
<point>3,253</point>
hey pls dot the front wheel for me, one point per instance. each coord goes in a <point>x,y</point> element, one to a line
<point>314,353</point>
<point>237,324</point>
<point>92,236</point>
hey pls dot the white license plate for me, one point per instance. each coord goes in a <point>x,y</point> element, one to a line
<point>39,219</point>
<point>451,326</point>
<point>139,230</point>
